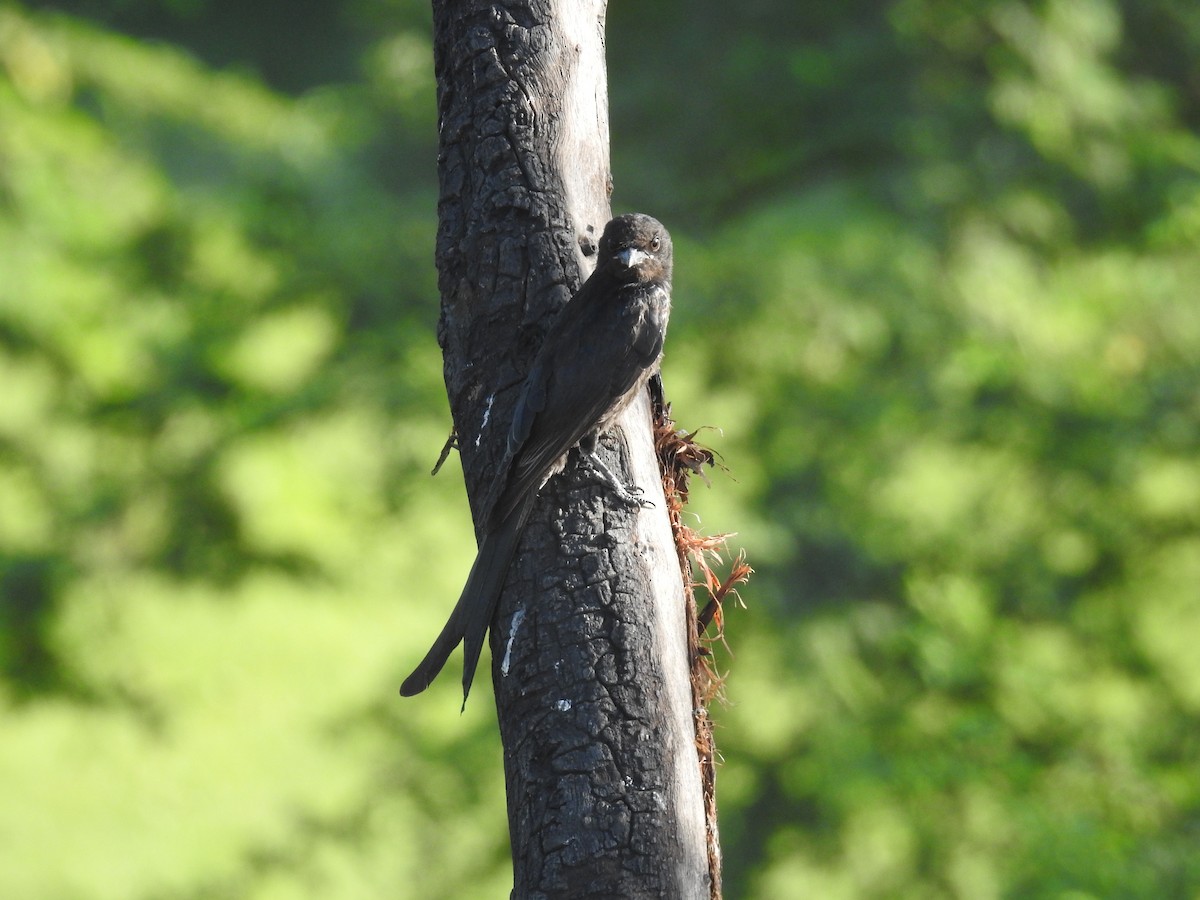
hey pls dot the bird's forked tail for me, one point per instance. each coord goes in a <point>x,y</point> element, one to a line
<point>472,615</point>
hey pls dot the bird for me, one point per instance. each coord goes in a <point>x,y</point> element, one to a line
<point>597,355</point>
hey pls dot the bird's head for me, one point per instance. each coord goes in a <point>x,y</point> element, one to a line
<point>637,248</point>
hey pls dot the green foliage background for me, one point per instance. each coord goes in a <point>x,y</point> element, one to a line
<point>937,285</point>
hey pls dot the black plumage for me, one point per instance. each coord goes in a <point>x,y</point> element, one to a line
<point>599,352</point>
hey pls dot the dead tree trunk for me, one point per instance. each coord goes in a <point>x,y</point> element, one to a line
<point>589,645</point>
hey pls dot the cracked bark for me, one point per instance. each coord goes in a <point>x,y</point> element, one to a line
<point>589,645</point>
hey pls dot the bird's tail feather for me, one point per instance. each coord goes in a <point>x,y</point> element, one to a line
<point>476,605</point>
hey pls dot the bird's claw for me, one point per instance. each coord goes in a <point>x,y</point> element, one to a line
<point>629,495</point>
<point>632,496</point>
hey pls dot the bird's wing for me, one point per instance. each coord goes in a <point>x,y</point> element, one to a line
<point>586,370</point>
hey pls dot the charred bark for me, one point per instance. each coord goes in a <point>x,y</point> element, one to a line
<point>590,644</point>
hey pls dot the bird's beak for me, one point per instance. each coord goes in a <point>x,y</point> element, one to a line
<point>631,256</point>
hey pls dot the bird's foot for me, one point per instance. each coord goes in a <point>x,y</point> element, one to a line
<point>630,495</point>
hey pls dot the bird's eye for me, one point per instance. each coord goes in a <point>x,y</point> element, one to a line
<point>655,243</point>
